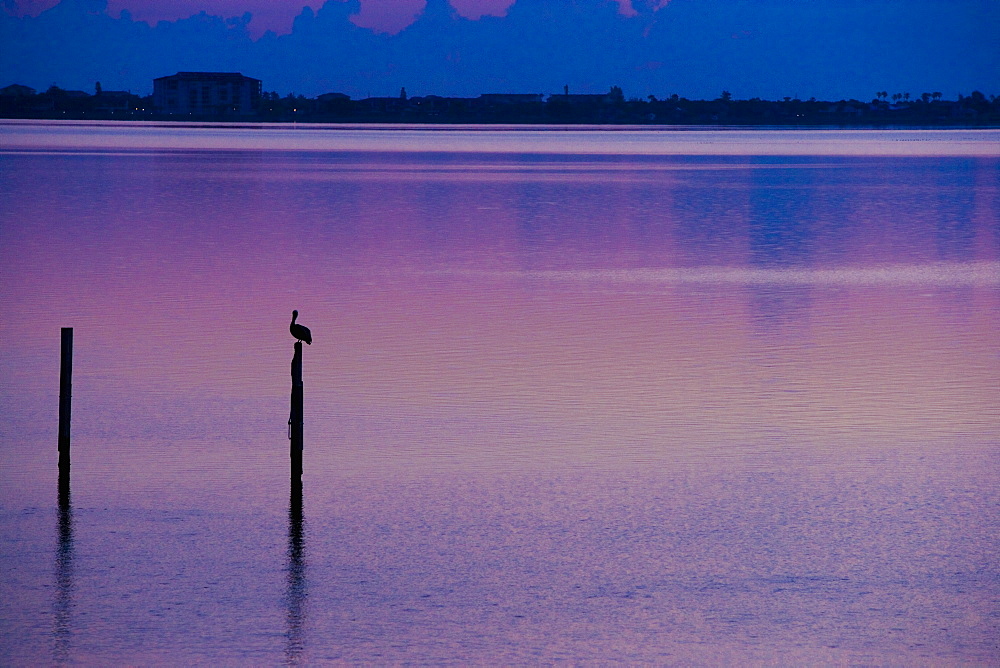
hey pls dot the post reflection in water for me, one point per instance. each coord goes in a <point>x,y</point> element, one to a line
<point>62,606</point>
<point>296,586</point>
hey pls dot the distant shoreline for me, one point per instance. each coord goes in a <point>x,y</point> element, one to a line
<point>248,124</point>
<point>610,109</point>
<point>209,121</point>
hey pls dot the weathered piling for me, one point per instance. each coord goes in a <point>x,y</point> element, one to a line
<point>65,395</point>
<point>295,417</point>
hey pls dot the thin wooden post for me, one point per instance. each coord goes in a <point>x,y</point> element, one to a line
<point>65,395</point>
<point>295,418</point>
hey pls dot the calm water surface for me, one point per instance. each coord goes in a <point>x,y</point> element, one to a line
<point>574,395</point>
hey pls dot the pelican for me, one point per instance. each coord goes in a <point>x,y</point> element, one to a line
<point>300,332</point>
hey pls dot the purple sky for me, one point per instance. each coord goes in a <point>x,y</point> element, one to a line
<point>828,49</point>
<point>383,15</point>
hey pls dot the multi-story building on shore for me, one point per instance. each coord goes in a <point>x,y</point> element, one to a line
<point>206,94</point>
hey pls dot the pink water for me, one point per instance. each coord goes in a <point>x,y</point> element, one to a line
<point>573,396</point>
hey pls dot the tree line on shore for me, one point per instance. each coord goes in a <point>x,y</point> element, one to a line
<point>976,109</point>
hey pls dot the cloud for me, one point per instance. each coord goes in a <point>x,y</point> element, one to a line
<point>476,9</point>
<point>278,16</point>
<point>28,7</point>
<point>628,7</point>
<point>388,16</point>
<point>274,15</point>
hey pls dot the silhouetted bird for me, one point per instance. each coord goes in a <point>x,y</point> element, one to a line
<point>300,332</point>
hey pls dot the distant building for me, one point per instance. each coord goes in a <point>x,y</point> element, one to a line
<point>115,101</point>
<point>507,103</point>
<point>435,105</point>
<point>384,105</point>
<point>333,97</point>
<point>509,98</point>
<point>17,90</point>
<point>333,103</point>
<point>17,100</point>
<point>581,100</point>
<point>206,94</point>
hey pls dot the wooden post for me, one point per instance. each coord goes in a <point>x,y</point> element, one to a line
<point>65,395</point>
<point>295,418</point>
<point>63,606</point>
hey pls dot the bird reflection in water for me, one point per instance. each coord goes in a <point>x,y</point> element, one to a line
<point>62,606</point>
<point>295,592</point>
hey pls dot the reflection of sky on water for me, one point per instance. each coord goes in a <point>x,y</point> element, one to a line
<point>664,388</point>
<point>353,247</point>
<point>434,291</point>
<point>497,139</point>
<point>782,222</point>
